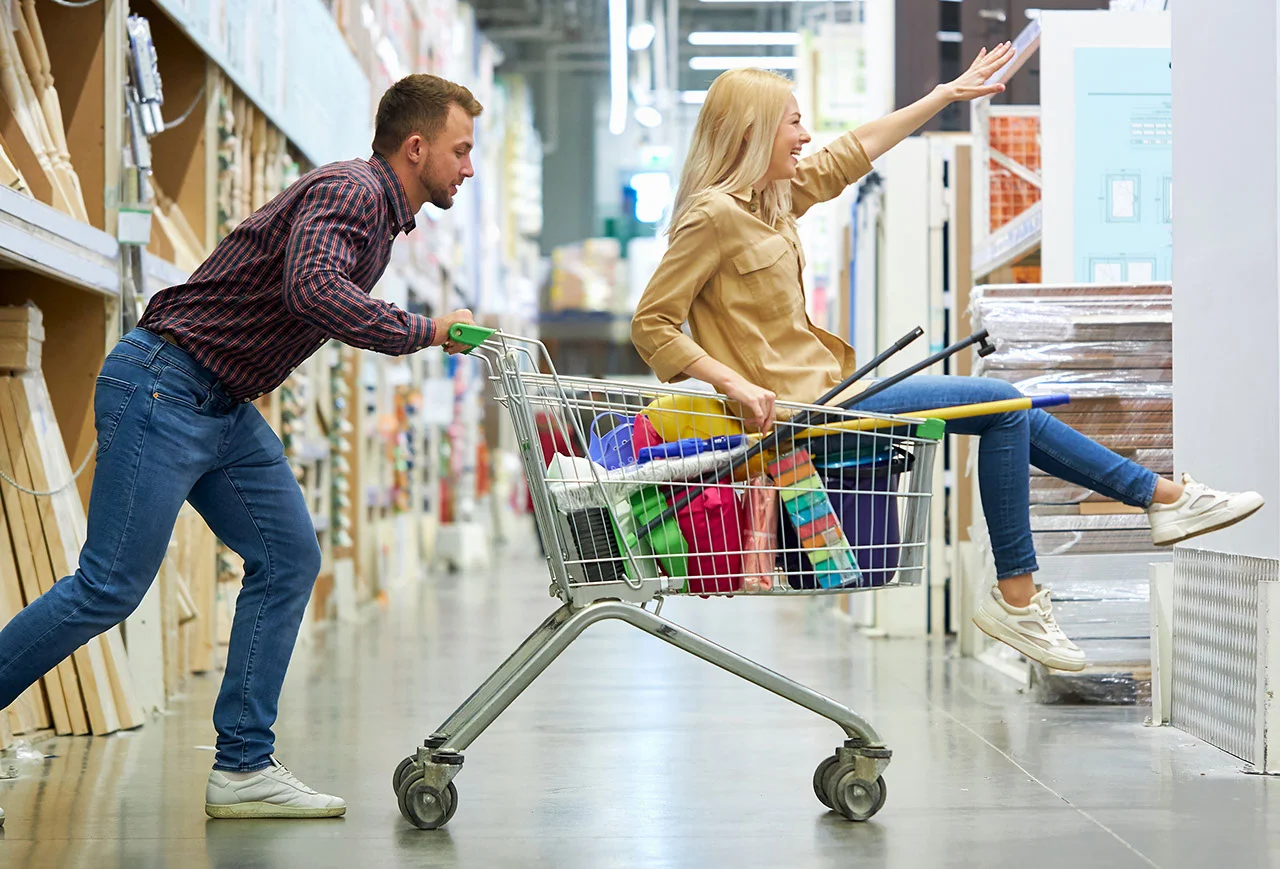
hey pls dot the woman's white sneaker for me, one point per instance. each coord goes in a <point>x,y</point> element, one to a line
<point>272,793</point>
<point>1032,630</point>
<point>1199,511</point>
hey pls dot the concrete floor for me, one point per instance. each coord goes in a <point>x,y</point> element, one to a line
<point>628,753</point>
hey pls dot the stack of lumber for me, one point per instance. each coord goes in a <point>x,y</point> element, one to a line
<point>173,633</point>
<point>33,145</point>
<point>1111,349</point>
<point>40,539</point>
<point>254,159</point>
<point>116,679</point>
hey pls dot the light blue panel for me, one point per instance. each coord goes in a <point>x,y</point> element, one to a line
<point>1124,165</point>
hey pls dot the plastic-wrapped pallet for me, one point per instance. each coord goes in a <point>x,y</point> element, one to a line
<point>1111,349</point>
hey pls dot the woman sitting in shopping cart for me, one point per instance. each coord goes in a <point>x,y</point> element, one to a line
<point>733,273</point>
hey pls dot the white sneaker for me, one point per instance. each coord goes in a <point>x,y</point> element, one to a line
<point>272,793</point>
<point>1199,511</point>
<point>1031,630</point>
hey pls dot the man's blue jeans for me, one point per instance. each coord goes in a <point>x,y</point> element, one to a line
<point>1008,444</point>
<point>167,433</point>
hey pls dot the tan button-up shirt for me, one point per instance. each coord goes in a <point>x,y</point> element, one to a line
<point>736,280</point>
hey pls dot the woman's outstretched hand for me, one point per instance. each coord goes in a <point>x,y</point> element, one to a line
<point>972,84</point>
<point>756,401</point>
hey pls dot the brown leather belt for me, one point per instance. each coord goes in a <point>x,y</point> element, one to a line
<point>169,339</point>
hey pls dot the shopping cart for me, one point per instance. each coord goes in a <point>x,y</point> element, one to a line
<point>668,493</point>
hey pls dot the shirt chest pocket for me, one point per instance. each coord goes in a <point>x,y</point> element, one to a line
<point>768,272</point>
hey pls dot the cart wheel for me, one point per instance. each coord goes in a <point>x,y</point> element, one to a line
<point>425,807</point>
<point>832,774</point>
<point>858,799</point>
<point>453,802</point>
<point>819,787</point>
<point>413,775</point>
<point>401,771</point>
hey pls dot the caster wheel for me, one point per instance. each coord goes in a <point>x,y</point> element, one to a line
<point>413,775</point>
<point>424,806</point>
<point>832,774</point>
<point>452,794</point>
<point>819,787</point>
<point>401,771</point>
<point>858,799</point>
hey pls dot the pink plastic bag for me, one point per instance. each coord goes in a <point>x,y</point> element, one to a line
<point>760,535</point>
<point>712,527</point>
<point>643,433</point>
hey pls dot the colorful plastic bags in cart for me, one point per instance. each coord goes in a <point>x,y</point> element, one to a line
<point>705,546</point>
<point>643,434</point>
<point>865,505</point>
<point>712,526</point>
<point>760,534</point>
<point>816,552</point>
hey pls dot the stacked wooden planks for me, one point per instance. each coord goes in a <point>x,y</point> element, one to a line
<point>34,157</point>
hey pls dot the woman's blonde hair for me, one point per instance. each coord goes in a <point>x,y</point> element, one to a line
<point>733,142</point>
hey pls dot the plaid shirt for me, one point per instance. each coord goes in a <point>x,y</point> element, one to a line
<point>292,276</point>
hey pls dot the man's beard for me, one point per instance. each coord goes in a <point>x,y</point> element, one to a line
<point>441,198</point>
<point>437,195</point>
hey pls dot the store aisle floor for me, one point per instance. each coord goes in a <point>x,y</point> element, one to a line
<point>628,753</point>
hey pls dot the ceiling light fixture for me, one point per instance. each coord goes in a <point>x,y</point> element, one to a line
<point>712,37</point>
<point>641,36</point>
<point>648,116</point>
<point>719,63</point>
<point>617,66</point>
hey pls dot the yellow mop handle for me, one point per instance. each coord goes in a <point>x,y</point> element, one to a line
<point>960,411</point>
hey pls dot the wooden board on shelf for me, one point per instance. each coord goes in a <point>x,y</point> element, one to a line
<point>91,659</point>
<point>144,644</point>
<point>33,401</point>
<point>78,58</point>
<point>35,55</point>
<point>33,557</point>
<point>29,711</point>
<point>178,157</point>
<point>21,97</point>
<point>75,322</point>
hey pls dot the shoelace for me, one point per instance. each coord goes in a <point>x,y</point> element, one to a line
<point>1046,614</point>
<point>290,778</point>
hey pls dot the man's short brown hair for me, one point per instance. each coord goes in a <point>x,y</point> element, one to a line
<point>418,103</point>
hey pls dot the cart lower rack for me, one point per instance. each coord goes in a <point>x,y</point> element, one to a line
<point>640,493</point>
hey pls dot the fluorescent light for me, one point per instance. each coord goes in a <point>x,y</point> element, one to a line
<point>653,195</point>
<point>648,116</point>
<point>712,37</point>
<point>617,66</point>
<point>950,36</point>
<point>712,63</point>
<point>641,36</point>
<point>693,98</point>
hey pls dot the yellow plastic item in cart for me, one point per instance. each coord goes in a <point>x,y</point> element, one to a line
<point>680,417</point>
<point>677,417</point>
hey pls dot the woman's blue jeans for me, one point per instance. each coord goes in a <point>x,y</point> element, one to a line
<point>1008,443</point>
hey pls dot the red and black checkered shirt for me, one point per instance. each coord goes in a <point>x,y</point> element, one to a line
<point>295,274</point>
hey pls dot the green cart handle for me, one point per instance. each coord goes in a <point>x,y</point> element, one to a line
<point>472,336</point>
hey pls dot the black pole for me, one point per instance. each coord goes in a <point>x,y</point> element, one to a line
<point>778,438</point>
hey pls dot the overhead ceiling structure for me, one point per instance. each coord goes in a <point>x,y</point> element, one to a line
<point>658,54</point>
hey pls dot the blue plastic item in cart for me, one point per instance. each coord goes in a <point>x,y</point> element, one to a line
<point>613,449</point>
<point>688,447</point>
